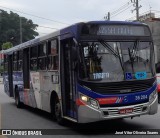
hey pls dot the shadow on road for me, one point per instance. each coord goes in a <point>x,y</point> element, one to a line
<point>96,128</point>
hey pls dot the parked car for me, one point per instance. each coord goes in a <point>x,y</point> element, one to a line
<point>158,86</point>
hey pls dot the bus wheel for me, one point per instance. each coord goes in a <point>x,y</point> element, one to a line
<point>17,99</point>
<point>57,112</point>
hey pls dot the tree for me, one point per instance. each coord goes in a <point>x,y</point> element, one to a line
<point>7,45</point>
<point>10,28</point>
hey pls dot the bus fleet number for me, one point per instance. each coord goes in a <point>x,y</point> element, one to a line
<point>141,97</point>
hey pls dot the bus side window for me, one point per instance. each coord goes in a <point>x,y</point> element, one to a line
<point>53,60</point>
<point>20,56</point>
<point>33,64</point>
<point>5,63</point>
<point>42,56</point>
<point>15,58</point>
<point>33,58</point>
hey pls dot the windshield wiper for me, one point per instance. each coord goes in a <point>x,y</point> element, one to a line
<point>131,59</point>
<point>133,54</point>
<point>134,50</point>
<point>115,53</point>
<point>109,48</point>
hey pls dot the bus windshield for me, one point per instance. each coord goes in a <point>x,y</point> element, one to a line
<point>115,61</point>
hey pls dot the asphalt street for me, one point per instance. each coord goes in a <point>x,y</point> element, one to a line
<point>29,118</point>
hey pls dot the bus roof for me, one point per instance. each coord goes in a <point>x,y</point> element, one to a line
<point>116,22</point>
<point>58,33</point>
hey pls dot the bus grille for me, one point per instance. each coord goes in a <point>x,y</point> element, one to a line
<point>122,87</point>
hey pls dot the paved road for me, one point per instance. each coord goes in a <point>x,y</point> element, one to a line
<point>29,118</point>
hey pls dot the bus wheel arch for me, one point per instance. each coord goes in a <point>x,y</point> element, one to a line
<point>56,108</point>
<point>18,103</point>
<point>53,97</point>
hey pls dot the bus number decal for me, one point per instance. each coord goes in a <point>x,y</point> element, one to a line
<point>140,75</point>
<point>141,97</point>
<point>100,75</point>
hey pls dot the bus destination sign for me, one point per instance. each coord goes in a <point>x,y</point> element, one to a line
<point>123,30</point>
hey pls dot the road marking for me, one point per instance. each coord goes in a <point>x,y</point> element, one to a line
<point>1,122</point>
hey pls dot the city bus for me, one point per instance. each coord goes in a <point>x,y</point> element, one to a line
<point>86,72</point>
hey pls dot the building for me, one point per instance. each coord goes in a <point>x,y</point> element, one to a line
<point>154,24</point>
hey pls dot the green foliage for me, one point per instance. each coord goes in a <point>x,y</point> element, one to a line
<point>10,28</point>
<point>7,45</point>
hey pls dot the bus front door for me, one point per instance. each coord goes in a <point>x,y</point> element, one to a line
<point>68,80</point>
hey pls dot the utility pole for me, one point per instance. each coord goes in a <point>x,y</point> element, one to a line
<point>137,7</point>
<point>107,17</point>
<point>20,25</point>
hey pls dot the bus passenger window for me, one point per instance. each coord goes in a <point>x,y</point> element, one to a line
<point>33,64</point>
<point>34,51</point>
<point>33,56</point>
<point>42,50</point>
<point>42,56</point>
<point>42,63</point>
<point>15,56</point>
<point>50,62</point>
<point>56,63</point>
<point>19,62</point>
<point>5,63</point>
<point>52,47</point>
<point>53,60</point>
<point>53,63</point>
<point>20,55</point>
<point>19,65</point>
<point>15,66</point>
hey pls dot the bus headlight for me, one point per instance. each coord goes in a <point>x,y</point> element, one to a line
<point>89,101</point>
<point>84,98</point>
<point>152,96</point>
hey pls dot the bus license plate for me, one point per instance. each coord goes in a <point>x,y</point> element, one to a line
<point>126,111</point>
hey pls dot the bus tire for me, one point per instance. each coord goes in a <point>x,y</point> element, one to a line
<point>18,103</point>
<point>57,112</point>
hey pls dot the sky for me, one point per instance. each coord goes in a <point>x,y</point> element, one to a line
<point>57,14</point>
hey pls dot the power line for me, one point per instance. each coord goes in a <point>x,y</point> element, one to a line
<point>115,9</point>
<point>116,12</point>
<point>121,8</point>
<point>122,11</point>
<point>35,15</point>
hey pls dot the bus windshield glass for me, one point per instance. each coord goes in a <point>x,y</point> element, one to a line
<point>115,61</point>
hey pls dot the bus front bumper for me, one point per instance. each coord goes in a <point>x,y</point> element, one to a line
<point>88,114</point>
